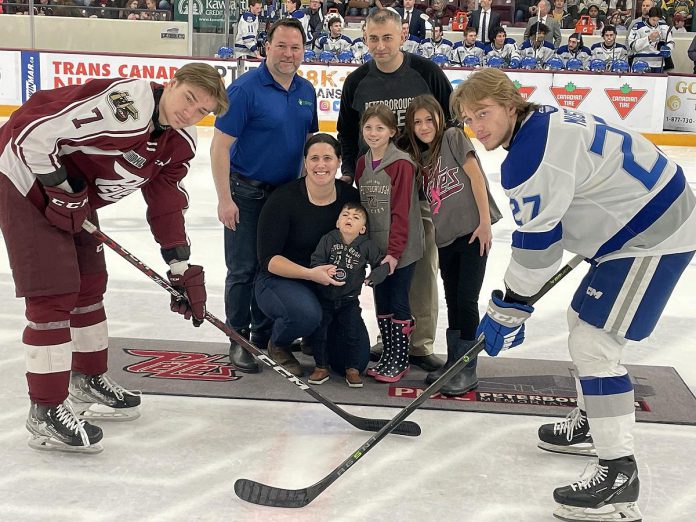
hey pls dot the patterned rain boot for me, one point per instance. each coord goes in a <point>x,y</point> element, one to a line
<point>384,324</point>
<point>397,366</point>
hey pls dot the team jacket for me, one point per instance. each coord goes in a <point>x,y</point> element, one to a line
<point>579,184</point>
<point>412,44</point>
<point>429,47</point>
<point>101,133</point>
<point>507,52</point>
<point>599,52</point>
<point>461,51</point>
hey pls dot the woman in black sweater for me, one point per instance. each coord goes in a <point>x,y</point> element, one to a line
<point>292,222</point>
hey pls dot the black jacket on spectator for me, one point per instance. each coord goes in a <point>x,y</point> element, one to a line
<point>417,25</point>
<point>494,21</point>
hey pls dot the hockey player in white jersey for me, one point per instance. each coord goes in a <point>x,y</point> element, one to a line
<point>536,46</point>
<point>651,40</point>
<point>437,44</point>
<point>501,46</point>
<point>575,48</point>
<point>579,184</point>
<point>359,47</point>
<point>411,41</point>
<point>334,42</point>
<point>468,47</point>
<point>608,50</point>
<point>293,9</point>
<point>247,31</point>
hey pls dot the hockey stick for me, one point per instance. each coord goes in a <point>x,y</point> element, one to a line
<point>407,428</point>
<point>264,495</point>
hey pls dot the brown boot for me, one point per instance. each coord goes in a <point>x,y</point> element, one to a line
<point>285,358</point>
<point>353,378</point>
<point>319,376</point>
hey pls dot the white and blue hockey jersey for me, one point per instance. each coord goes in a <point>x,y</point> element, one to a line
<point>412,44</point>
<point>247,30</point>
<point>542,53</point>
<point>359,49</point>
<point>429,47</point>
<point>581,53</point>
<point>334,45</point>
<point>507,52</point>
<point>461,51</point>
<point>579,184</point>
<point>642,48</point>
<point>304,20</point>
<point>608,54</point>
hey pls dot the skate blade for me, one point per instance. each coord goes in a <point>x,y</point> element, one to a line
<point>101,412</point>
<point>48,444</point>
<point>583,450</point>
<point>621,512</point>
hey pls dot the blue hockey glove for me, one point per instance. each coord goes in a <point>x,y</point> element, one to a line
<point>666,52</point>
<point>503,324</point>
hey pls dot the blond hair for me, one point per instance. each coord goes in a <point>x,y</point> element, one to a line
<point>485,84</point>
<point>206,77</point>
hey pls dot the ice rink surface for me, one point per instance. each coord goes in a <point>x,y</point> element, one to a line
<point>179,461</point>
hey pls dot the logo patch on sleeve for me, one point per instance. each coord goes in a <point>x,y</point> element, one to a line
<point>122,106</point>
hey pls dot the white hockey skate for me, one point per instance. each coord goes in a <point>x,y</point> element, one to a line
<point>98,398</point>
<point>57,428</point>
<point>571,435</point>
<point>607,492</point>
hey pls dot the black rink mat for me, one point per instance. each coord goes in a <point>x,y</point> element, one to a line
<point>506,385</point>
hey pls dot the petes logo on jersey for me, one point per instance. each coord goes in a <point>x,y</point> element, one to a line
<point>625,98</point>
<point>122,106</point>
<point>570,95</point>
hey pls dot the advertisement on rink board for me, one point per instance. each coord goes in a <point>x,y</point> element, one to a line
<point>10,74</point>
<point>680,103</point>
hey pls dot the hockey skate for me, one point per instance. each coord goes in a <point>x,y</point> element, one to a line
<point>97,397</point>
<point>607,491</point>
<point>571,435</point>
<point>57,428</point>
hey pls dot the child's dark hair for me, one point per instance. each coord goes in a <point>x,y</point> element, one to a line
<point>382,113</point>
<point>355,205</point>
<point>410,142</point>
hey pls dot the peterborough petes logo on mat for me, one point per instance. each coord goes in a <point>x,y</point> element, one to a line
<point>189,366</point>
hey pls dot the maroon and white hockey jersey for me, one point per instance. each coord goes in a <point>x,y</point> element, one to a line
<point>101,132</point>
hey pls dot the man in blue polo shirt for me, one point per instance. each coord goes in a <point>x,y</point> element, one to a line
<point>257,146</point>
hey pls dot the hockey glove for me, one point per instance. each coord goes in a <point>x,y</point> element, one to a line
<point>503,324</point>
<point>65,210</point>
<point>192,285</point>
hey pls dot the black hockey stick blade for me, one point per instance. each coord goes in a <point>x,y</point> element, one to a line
<point>408,428</point>
<point>264,495</point>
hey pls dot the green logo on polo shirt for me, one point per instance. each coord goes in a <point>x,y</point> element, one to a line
<point>307,103</point>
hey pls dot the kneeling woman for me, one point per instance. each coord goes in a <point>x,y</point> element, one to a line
<point>291,224</point>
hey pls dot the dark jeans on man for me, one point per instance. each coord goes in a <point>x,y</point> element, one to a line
<point>391,296</point>
<point>241,309</point>
<point>462,269</point>
<point>342,323</point>
<point>295,311</point>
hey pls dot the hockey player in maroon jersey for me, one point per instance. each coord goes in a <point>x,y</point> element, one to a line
<point>64,154</point>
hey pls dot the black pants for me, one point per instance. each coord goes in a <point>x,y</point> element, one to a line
<point>462,269</point>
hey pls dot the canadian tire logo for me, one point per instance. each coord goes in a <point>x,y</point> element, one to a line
<point>188,366</point>
<point>570,95</point>
<point>624,99</point>
<point>524,90</point>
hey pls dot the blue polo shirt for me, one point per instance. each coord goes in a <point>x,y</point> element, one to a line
<point>270,124</point>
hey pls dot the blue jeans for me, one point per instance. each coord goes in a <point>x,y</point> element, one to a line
<point>341,341</point>
<point>241,309</point>
<point>291,305</point>
<point>391,297</point>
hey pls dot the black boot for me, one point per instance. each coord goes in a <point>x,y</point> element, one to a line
<point>466,379</point>
<point>452,340</point>
<point>242,359</point>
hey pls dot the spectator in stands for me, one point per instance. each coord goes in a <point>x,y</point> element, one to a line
<point>652,41</point>
<point>502,46</point>
<point>553,32</point>
<point>45,8</point>
<point>469,47</point>
<point>484,20</point>
<point>524,9</point>
<point>338,5</point>
<point>678,22</point>
<point>575,48</point>
<point>436,44</point>
<point>585,5</point>
<point>441,12</point>
<point>625,7</point>
<point>672,7</point>
<point>619,22</point>
<point>537,46</point>
<point>67,8</point>
<point>359,7</point>
<point>133,11</point>
<point>562,16</point>
<point>412,15</point>
<point>596,16</point>
<point>608,50</point>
